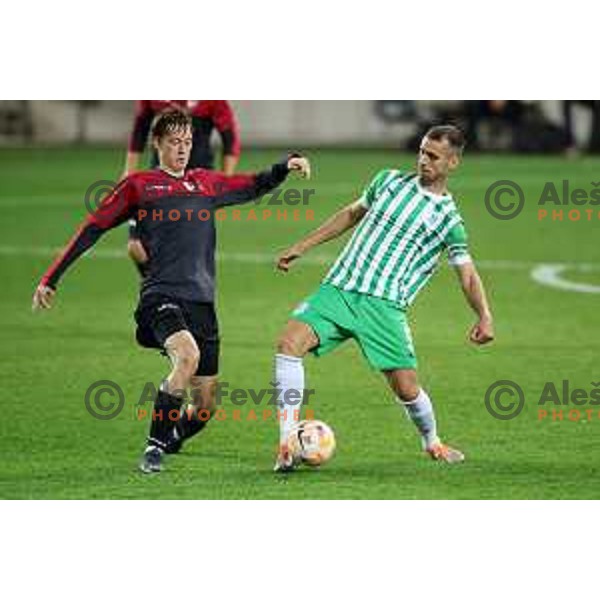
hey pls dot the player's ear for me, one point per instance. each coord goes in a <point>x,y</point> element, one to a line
<point>155,143</point>
<point>454,161</point>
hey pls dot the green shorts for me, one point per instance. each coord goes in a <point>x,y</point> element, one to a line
<point>378,325</point>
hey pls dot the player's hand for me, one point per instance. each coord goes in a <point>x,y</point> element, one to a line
<point>482,332</point>
<point>301,165</point>
<point>42,297</point>
<point>288,256</point>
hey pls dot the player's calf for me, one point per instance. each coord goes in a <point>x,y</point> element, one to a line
<point>419,409</point>
<point>185,355</point>
<point>293,344</point>
<point>183,352</point>
<point>196,417</point>
<point>166,406</point>
<point>416,403</point>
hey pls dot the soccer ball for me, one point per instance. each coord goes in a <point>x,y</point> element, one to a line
<point>311,442</point>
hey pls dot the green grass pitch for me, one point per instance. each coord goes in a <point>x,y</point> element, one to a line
<point>50,447</point>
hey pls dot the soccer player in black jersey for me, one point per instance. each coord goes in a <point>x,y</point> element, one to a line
<point>174,208</point>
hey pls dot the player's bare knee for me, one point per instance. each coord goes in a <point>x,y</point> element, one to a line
<point>408,389</point>
<point>290,346</point>
<point>184,353</point>
<point>404,384</point>
<point>297,339</point>
<point>408,393</point>
<point>188,360</point>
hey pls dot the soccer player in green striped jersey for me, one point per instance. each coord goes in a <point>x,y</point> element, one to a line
<point>403,223</point>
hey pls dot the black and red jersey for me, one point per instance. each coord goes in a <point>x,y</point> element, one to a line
<point>207,116</point>
<point>176,225</point>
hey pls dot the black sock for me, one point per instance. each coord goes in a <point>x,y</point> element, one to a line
<point>162,423</point>
<point>191,424</point>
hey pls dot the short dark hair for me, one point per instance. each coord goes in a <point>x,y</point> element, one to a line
<point>170,121</point>
<point>452,134</point>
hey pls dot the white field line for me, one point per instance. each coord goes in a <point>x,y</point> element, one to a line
<point>315,259</point>
<point>553,275</point>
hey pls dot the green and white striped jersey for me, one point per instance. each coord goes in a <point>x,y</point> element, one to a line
<point>397,245</point>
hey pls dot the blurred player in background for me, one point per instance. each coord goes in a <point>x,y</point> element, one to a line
<point>176,312</point>
<point>593,106</point>
<point>405,221</point>
<point>207,116</point>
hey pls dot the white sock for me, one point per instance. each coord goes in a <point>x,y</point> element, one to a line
<point>421,413</point>
<point>289,375</point>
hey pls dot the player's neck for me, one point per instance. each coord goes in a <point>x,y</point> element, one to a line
<point>439,188</point>
<point>172,172</point>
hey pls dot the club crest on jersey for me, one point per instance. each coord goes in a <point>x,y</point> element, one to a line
<point>189,186</point>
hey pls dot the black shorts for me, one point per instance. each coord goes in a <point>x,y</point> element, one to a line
<point>159,317</point>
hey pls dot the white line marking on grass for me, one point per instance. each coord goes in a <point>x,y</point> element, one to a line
<point>547,274</point>
<point>112,253</point>
<point>552,275</point>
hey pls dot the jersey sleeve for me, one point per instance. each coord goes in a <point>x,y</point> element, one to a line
<point>371,192</point>
<point>224,120</point>
<point>241,188</point>
<point>116,208</point>
<point>457,245</point>
<point>141,125</point>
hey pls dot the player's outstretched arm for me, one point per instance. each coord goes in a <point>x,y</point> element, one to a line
<point>114,210</point>
<point>242,188</point>
<point>483,331</point>
<point>335,226</point>
<point>86,236</point>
